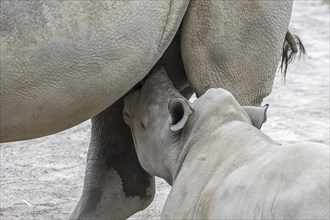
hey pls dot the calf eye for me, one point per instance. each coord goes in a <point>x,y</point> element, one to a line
<point>142,125</point>
<point>145,121</point>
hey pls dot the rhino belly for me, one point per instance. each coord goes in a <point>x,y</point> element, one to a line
<point>63,62</point>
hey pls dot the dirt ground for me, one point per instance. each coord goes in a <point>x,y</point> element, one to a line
<point>42,178</point>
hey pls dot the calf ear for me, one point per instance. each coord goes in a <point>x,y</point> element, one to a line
<point>258,115</point>
<point>180,110</point>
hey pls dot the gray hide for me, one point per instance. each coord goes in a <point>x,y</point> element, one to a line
<point>219,165</point>
<point>63,62</point>
<point>227,44</point>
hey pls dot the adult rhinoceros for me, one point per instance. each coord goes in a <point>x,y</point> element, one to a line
<point>63,62</point>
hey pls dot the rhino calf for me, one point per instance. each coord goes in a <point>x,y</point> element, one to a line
<point>220,166</point>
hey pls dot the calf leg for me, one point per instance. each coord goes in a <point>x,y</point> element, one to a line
<point>115,185</point>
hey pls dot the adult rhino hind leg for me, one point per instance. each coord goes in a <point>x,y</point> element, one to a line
<point>236,45</point>
<point>115,185</point>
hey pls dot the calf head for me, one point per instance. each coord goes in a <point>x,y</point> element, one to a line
<point>157,115</point>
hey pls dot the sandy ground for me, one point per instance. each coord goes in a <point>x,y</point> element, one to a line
<point>42,178</point>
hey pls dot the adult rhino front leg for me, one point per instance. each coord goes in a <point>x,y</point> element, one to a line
<point>235,45</point>
<point>115,185</point>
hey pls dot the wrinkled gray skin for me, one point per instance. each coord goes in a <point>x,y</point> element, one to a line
<point>219,165</point>
<point>63,62</point>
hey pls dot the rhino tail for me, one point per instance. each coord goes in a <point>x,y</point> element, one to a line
<point>292,47</point>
